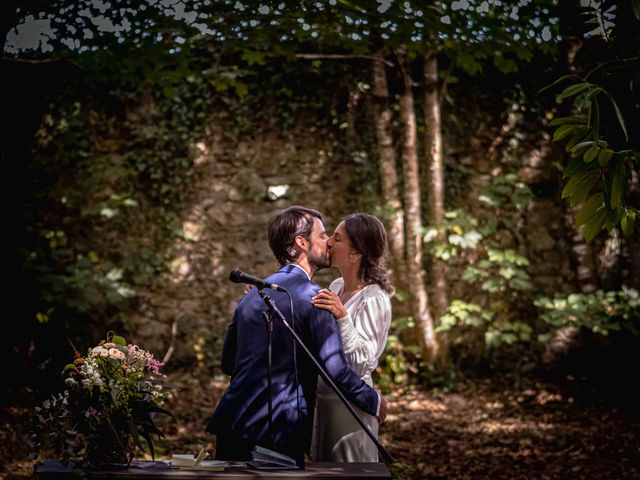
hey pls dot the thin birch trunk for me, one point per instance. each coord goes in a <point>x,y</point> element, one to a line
<point>387,168</point>
<point>434,179</point>
<point>418,298</point>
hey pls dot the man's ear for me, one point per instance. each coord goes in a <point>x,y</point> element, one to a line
<point>301,243</point>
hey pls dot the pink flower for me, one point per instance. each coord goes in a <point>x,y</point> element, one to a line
<point>155,366</point>
<point>115,353</point>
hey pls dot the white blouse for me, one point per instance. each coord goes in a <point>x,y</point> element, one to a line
<point>365,328</point>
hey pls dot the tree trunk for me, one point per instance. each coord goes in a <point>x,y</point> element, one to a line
<point>352,134</point>
<point>418,297</point>
<point>388,175</point>
<point>633,242</point>
<point>434,179</point>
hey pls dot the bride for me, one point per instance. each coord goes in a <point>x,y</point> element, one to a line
<point>359,300</point>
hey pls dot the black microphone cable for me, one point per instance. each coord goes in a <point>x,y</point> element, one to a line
<point>295,366</point>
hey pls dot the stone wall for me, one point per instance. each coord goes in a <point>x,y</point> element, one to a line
<point>225,227</point>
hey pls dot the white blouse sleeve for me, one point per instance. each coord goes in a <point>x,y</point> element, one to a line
<point>364,337</point>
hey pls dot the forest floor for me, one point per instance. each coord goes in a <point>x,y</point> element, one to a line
<point>480,431</point>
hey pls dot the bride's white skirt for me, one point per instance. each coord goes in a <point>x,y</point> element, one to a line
<point>337,436</point>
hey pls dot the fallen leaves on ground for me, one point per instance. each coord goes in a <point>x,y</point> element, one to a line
<point>479,431</point>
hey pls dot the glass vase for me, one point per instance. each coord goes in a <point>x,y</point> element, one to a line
<point>108,455</point>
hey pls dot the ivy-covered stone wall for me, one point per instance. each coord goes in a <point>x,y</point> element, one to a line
<point>224,225</point>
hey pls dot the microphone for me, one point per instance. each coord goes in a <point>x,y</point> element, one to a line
<point>238,276</point>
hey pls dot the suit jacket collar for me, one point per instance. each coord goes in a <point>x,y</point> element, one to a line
<point>294,269</point>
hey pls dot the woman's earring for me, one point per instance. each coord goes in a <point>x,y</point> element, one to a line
<point>353,258</point>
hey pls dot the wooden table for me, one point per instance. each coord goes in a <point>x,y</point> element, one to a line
<point>147,470</point>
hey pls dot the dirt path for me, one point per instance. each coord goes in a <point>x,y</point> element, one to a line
<point>475,433</point>
<point>534,433</point>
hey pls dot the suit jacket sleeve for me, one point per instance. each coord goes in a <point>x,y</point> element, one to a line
<point>326,346</point>
<point>230,347</point>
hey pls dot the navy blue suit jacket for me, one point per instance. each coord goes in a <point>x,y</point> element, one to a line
<point>241,416</point>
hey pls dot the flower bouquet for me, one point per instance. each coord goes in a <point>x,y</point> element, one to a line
<point>108,406</point>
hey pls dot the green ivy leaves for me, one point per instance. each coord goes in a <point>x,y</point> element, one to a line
<point>597,174</point>
<point>599,311</point>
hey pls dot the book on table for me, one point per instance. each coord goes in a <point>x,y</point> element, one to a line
<point>198,462</point>
<point>265,459</point>
<point>206,465</point>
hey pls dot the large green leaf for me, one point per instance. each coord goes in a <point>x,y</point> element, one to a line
<point>568,121</point>
<point>635,6</point>
<point>556,82</point>
<point>589,208</point>
<point>591,153</point>
<point>594,117</point>
<point>618,182</point>
<point>67,367</point>
<point>155,408</point>
<point>618,116</point>
<point>604,156</point>
<point>583,134</point>
<point>133,430</point>
<point>578,147</point>
<point>627,222</point>
<point>573,90</point>
<point>613,217</point>
<point>563,131</point>
<point>576,165</point>
<point>580,185</point>
<point>595,224</point>
<point>149,441</point>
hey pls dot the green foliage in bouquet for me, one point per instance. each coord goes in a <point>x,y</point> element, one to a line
<point>107,408</point>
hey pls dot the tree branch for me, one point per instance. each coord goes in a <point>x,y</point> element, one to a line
<point>4,58</point>
<point>612,62</point>
<point>174,334</point>
<point>337,56</point>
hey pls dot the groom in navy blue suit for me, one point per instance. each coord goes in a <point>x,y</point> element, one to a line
<point>240,421</point>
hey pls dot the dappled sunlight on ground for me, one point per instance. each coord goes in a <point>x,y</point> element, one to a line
<point>485,432</point>
<point>479,432</point>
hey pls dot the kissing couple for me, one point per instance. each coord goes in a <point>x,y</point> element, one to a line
<point>344,326</point>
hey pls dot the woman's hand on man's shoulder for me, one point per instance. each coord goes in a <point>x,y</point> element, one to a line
<point>330,301</point>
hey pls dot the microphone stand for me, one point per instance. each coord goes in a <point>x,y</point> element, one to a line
<point>273,311</point>
<point>268,318</point>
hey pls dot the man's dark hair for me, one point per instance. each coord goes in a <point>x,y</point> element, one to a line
<point>285,225</point>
